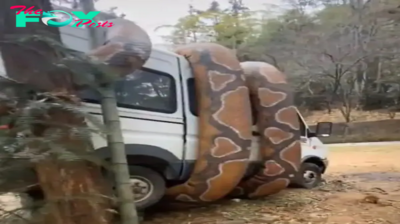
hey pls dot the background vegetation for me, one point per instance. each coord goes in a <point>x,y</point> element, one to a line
<point>341,56</point>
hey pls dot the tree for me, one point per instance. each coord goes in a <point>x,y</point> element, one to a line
<point>230,27</point>
<point>123,61</point>
<point>45,57</point>
<point>338,54</point>
<point>187,30</point>
<point>126,62</point>
<point>65,184</point>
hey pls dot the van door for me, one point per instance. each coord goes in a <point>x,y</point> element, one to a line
<point>311,145</point>
<point>305,140</point>
<point>150,110</point>
<point>191,116</point>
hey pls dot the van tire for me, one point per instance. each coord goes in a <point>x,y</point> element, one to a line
<point>146,178</point>
<point>156,180</point>
<point>310,176</point>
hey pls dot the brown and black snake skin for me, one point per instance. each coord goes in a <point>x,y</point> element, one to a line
<point>278,125</point>
<point>127,47</point>
<point>224,124</point>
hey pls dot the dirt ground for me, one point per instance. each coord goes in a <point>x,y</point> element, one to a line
<point>362,186</point>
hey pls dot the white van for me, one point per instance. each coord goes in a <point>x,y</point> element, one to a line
<point>157,108</point>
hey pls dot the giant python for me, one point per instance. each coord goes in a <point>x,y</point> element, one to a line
<point>227,90</point>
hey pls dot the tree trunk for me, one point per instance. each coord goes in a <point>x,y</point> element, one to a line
<point>126,199</point>
<point>66,185</point>
<point>75,191</point>
<point>116,144</point>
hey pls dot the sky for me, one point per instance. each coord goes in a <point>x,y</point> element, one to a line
<point>150,14</point>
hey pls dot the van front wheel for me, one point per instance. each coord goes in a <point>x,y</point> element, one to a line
<point>147,185</point>
<point>310,176</point>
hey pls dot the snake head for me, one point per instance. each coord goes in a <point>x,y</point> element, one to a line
<point>126,49</point>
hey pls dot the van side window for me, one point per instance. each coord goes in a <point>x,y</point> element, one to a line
<point>192,96</point>
<point>144,89</point>
<point>303,129</point>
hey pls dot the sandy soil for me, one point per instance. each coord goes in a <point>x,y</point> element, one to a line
<point>362,186</point>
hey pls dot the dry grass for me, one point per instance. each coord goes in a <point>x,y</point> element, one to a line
<point>355,174</point>
<point>335,116</point>
<point>341,200</point>
<point>382,158</point>
<point>387,148</point>
<point>378,136</point>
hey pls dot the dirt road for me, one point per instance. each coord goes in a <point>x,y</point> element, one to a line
<point>362,187</point>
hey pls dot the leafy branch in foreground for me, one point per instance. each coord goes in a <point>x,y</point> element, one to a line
<point>22,147</point>
<point>84,71</point>
<point>26,116</point>
<point>26,111</point>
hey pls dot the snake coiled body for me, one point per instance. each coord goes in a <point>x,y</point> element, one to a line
<point>278,125</point>
<point>126,48</point>
<point>224,124</point>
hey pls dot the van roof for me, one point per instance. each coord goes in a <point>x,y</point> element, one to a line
<point>162,50</point>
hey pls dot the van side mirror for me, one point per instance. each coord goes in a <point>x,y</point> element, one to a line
<point>324,129</point>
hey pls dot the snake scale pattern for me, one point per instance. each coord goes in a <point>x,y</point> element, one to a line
<point>224,124</point>
<point>227,92</point>
<point>278,126</point>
